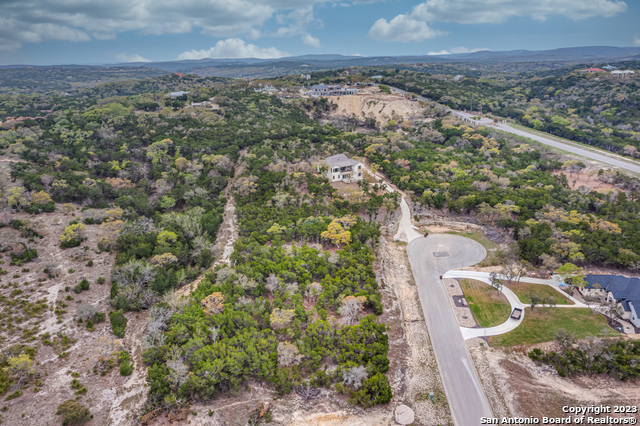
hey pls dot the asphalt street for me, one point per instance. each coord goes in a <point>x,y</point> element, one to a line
<point>622,164</point>
<point>430,258</point>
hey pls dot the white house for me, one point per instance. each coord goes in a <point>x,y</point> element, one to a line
<point>342,168</point>
<point>624,291</point>
<point>305,76</point>
<point>331,90</point>
<point>622,74</point>
<point>176,94</point>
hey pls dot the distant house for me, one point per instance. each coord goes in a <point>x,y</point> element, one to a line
<point>266,88</point>
<point>592,70</point>
<point>341,168</point>
<point>331,90</point>
<point>377,77</point>
<point>622,74</point>
<point>624,291</point>
<point>609,68</point>
<point>305,76</point>
<point>176,94</point>
<point>458,77</point>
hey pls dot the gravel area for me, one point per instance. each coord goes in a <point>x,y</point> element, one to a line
<point>463,314</point>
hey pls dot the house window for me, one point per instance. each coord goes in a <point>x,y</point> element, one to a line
<point>359,174</point>
<point>359,167</point>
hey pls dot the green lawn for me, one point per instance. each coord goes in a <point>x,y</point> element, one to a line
<point>523,290</point>
<point>541,326</point>
<point>489,307</point>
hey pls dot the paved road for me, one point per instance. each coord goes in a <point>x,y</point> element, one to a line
<point>622,164</point>
<point>431,257</point>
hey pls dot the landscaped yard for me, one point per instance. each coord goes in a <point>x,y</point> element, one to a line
<point>541,326</point>
<point>523,290</point>
<point>488,306</point>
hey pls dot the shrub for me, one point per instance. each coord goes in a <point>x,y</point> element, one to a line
<point>73,413</point>
<point>16,394</point>
<point>73,235</point>
<point>5,381</point>
<point>126,367</point>
<point>27,256</point>
<point>118,323</point>
<point>375,390</point>
<point>90,325</point>
<point>84,285</point>
<point>101,280</point>
<point>90,263</point>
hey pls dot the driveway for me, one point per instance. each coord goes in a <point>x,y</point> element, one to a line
<point>430,258</point>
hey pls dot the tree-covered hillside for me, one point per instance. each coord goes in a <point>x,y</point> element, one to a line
<point>594,109</point>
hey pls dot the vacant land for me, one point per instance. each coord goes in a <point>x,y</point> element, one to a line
<point>489,307</point>
<point>477,236</point>
<point>382,107</point>
<point>524,290</point>
<point>541,325</point>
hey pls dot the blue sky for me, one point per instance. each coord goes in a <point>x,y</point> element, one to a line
<point>110,31</point>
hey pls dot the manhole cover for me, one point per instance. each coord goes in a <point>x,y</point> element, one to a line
<point>440,254</point>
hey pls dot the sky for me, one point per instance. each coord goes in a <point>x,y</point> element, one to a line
<point>50,32</point>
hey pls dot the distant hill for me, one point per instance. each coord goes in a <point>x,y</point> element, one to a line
<point>265,68</point>
<point>253,67</point>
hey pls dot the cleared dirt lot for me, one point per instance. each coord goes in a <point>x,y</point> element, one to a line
<point>381,106</point>
<point>527,389</point>
<point>54,364</point>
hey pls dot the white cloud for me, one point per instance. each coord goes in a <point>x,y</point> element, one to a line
<point>309,40</point>
<point>413,26</point>
<point>456,50</point>
<point>253,34</point>
<point>636,41</point>
<point>402,28</point>
<point>297,23</point>
<point>496,11</point>
<point>131,58</point>
<point>233,48</point>
<point>31,21</point>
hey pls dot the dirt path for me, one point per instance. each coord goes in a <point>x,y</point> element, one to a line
<point>225,239</point>
<point>129,399</point>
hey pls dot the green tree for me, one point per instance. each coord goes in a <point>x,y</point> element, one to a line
<point>572,275</point>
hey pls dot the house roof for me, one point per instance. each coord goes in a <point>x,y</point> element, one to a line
<point>595,69</point>
<point>623,289</point>
<point>176,94</point>
<point>340,160</point>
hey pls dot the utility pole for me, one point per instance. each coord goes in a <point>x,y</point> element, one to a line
<point>471,103</point>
